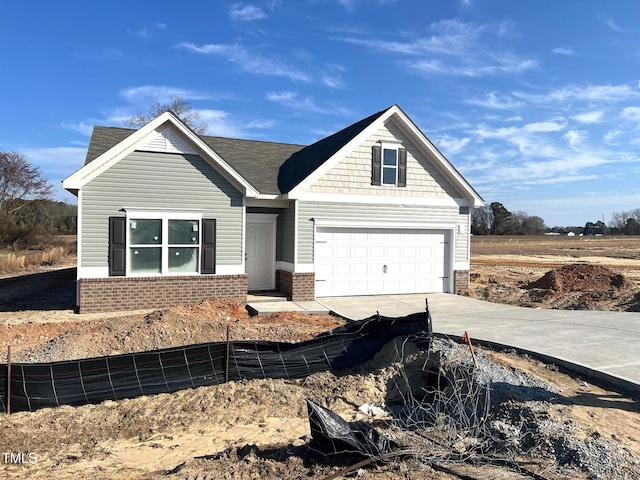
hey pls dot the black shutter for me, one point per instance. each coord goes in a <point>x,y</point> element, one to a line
<point>117,246</point>
<point>402,167</point>
<point>376,164</point>
<point>208,246</point>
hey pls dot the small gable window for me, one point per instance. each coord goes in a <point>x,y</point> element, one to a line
<point>389,165</point>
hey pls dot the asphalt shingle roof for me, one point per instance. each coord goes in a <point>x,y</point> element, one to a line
<point>258,162</point>
<point>270,167</point>
<point>301,164</point>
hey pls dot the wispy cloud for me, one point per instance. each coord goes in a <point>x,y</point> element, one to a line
<point>451,145</point>
<point>589,117</point>
<point>221,123</point>
<point>450,37</point>
<point>50,159</point>
<point>55,164</point>
<point>307,104</point>
<point>564,51</point>
<point>150,30</point>
<point>332,77</point>
<point>575,138</point>
<point>248,61</point>
<point>494,100</point>
<point>631,113</point>
<point>503,65</point>
<point>350,5</point>
<point>161,93</point>
<point>609,22</point>
<point>244,13</point>
<point>589,93</point>
<point>567,169</point>
<point>83,128</point>
<point>455,48</point>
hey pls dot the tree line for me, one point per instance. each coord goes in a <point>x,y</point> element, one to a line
<point>495,219</point>
<point>28,215</point>
<point>626,223</point>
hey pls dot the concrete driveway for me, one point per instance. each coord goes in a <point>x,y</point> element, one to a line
<point>607,342</point>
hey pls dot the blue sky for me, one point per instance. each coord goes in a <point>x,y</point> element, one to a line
<point>536,103</point>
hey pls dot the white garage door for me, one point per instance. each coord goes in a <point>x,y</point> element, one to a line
<point>371,261</point>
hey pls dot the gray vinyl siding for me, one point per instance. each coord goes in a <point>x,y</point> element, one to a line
<point>435,215</point>
<point>160,180</point>
<point>284,230</point>
<point>286,235</point>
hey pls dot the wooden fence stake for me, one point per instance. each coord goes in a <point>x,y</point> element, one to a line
<point>8,379</point>
<point>226,368</point>
<point>466,338</point>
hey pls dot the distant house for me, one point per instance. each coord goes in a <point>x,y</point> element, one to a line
<point>169,217</point>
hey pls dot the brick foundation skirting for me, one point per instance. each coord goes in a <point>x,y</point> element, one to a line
<point>137,293</point>
<point>461,282</point>
<point>295,285</point>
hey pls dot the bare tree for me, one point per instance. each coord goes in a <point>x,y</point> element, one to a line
<point>20,184</point>
<point>178,105</point>
<point>533,225</point>
<point>626,222</point>
<point>482,220</point>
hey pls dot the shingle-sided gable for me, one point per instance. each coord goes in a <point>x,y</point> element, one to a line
<point>301,164</point>
<point>352,175</point>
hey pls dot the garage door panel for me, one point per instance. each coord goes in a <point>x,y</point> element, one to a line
<point>408,269</point>
<point>360,261</point>
<point>360,251</point>
<point>409,252</point>
<point>342,269</point>
<point>360,269</point>
<point>393,252</point>
<point>324,270</point>
<point>393,269</point>
<point>376,268</point>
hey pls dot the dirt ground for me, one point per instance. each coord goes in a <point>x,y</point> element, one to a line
<point>582,273</point>
<point>541,420</point>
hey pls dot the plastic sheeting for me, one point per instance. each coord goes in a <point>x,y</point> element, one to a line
<point>331,434</point>
<point>93,380</point>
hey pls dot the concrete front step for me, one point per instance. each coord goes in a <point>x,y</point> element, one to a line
<point>269,307</point>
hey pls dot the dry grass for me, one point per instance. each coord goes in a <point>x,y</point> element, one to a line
<point>609,246</point>
<point>59,248</point>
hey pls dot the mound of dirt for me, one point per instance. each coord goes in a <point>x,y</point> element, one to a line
<point>169,327</point>
<point>575,286</point>
<point>581,278</point>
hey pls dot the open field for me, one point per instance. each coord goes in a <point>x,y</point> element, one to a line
<point>547,421</point>
<point>504,269</point>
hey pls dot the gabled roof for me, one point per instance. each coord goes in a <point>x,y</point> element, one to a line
<point>264,168</point>
<point>259,162</point>
<point>131,141</point>
<point>333,149</point>
<point>103,138</point>
<point>302,163</point>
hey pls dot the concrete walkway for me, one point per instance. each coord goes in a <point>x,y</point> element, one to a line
<point>607,342</point>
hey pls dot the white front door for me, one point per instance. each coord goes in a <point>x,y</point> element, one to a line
<point>260,255</point>
<point>374,261</point>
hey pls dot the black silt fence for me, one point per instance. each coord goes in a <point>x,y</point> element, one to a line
<point>93,380</point>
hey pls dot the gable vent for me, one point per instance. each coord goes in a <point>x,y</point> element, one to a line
<point>167,140</point>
